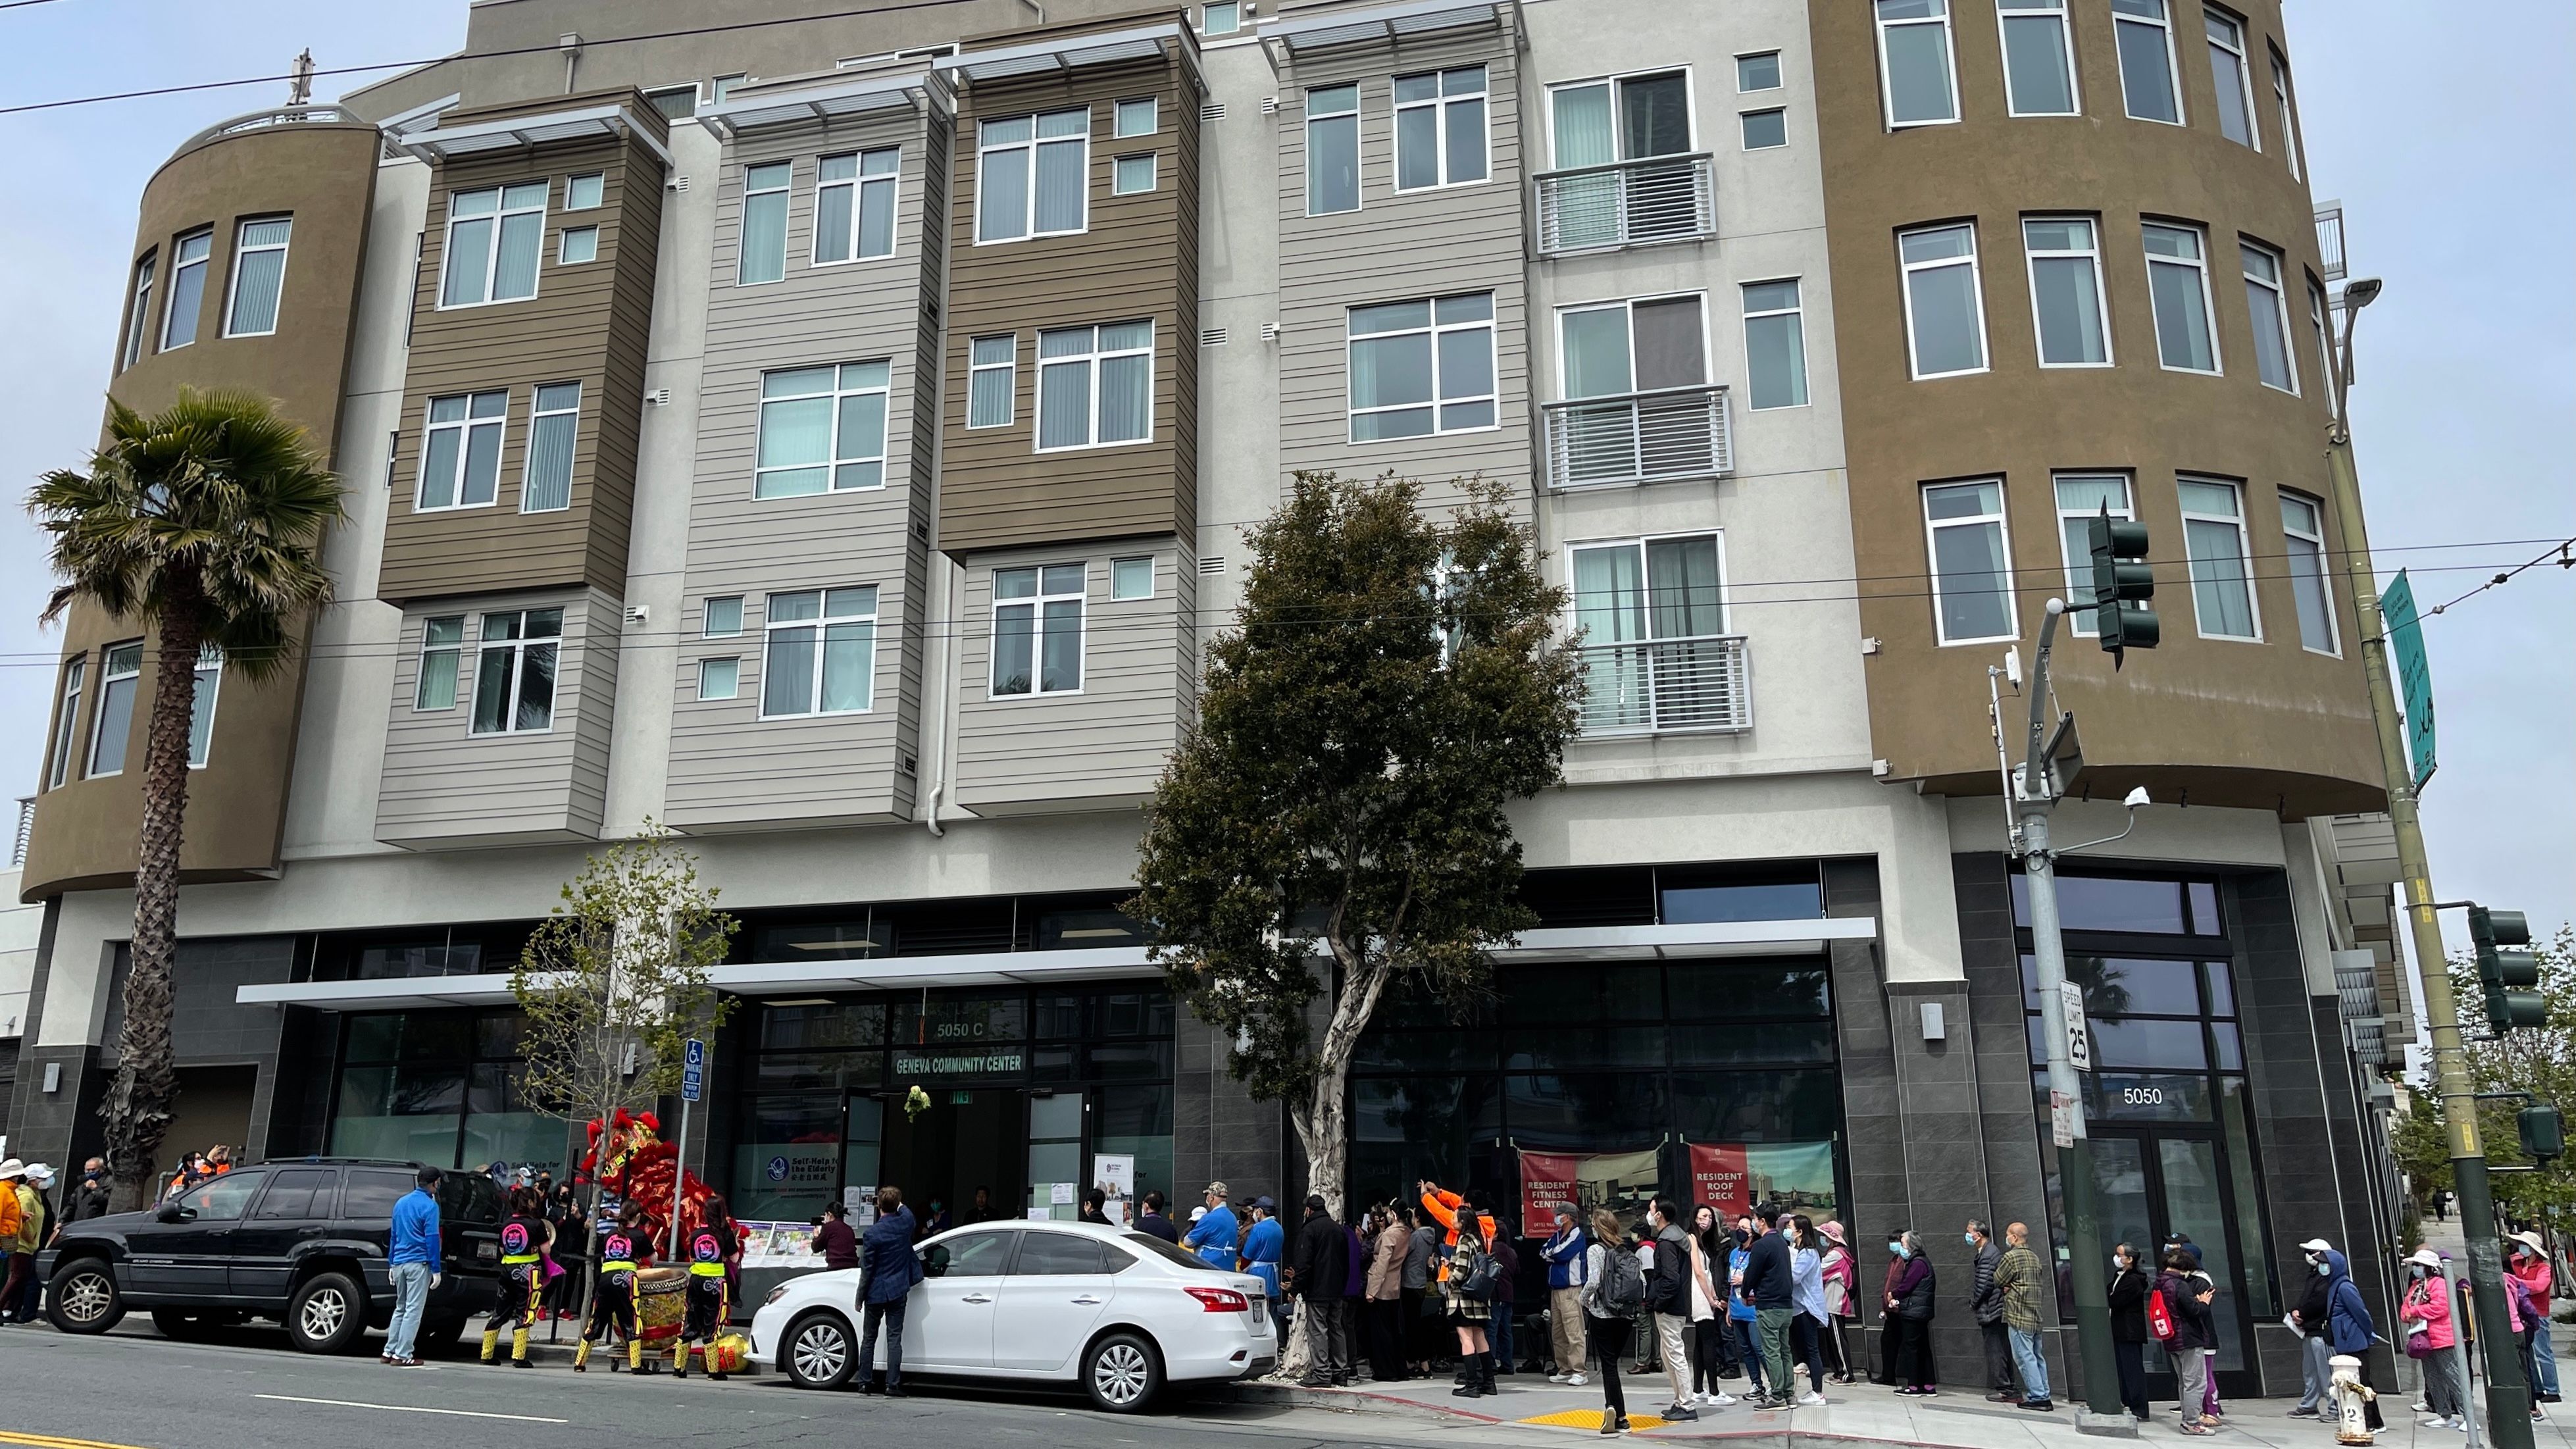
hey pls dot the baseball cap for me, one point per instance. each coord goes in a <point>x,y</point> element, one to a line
<point>1216,1190</point>
<point>2316,1245</point>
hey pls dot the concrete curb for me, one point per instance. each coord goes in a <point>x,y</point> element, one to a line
<point>1363,1401</point>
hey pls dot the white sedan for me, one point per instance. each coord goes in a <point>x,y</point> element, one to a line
<point>1120,1311</point>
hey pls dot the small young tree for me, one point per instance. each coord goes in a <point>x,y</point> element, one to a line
<point>613,983</point>
<point>1395,681</point>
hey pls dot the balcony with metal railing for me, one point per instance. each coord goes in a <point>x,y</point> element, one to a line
<point>1627,203</point>
<point>1670,435</point>
<point>1702,683</point>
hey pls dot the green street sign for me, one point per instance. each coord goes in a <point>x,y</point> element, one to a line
<point>2405,632</point>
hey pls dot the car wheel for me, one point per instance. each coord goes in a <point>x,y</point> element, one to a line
<point>326,1315</point>
<point>1122,1373</point>
<point>186,1324</point>
<point>83,1298</point>
<point>818,1352</point>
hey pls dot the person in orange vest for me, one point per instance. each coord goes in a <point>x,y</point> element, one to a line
<point>1468,1314</point>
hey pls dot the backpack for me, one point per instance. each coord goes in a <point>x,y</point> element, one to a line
<point>2160,1319</point>
<point>1477,1281</point>
<point>1623,1283</point>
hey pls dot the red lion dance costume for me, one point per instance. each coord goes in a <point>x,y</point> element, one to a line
<point>630,1160</point>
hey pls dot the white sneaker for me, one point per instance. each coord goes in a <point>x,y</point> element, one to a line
<point>1558,1378</point>
<point>1575,1381</point>
<point>2457,1424</point>
<point>1720,1399</point>
<point>2436,1421</point>
<point>1811,1398</point>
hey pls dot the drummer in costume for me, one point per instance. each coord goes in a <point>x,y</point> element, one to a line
<point>707,1246</point>
<point>612,1299</point>
<point>523,1243</point>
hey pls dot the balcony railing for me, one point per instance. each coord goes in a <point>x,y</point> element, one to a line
<point>1626,204</point>
<point>1639,437</point>
<point>1661,686</point>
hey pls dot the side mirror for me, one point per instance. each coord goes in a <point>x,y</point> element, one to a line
<point>934,1262</point>
<point>171,1212</point>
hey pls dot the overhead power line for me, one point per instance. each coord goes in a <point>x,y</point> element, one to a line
<point>2563,555</point>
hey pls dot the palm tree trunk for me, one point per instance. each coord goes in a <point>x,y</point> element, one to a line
<point>146,1085</point>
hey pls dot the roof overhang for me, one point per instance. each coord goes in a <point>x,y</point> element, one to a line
<point>446,143</point>
<point>1808,936</point>
<point>1304,31</point>
<point>397,994</point>
<point>825,103</point>
<point>1062,55</point>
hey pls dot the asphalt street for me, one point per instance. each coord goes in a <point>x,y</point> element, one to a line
<point>137,1390</point>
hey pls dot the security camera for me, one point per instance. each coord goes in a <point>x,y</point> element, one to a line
<point>2137,799</point>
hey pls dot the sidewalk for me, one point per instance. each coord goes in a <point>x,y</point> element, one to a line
<point>1854,1413</point>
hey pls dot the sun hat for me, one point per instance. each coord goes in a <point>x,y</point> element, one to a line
<point>12,1168</point>
<point>1830,1232</point>
<point>2426,1257</point>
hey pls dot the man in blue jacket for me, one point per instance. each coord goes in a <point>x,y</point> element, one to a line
<point>1567,1275</point>
<point>888,1268</point>
<point>1214,1236</point>
<point>412,1255</point>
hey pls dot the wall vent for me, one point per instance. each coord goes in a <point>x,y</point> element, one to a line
<point>1270,105</point>
<point>659,397</point>
<point>1211,566</point>
<point>1212,111</point>
<point>679,183</point>
<point>1212,337</point>
<point>1269,331</point>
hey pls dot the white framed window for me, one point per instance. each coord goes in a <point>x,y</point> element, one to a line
<point>2039,58</point>
<point>1945,302</point>
<point>1971,550</point>
<point>575,245</point>
<point>460,451</point>
<point>2081,497</point>
<point>1759,71</point>
<point>765,189</point>
<point>1220,17</point>
<point>1332,149</point>
<point>187,289</point>
<point>1096,385</point>
<point>1132,175</point>
<point>822,429</point>
<point>259,276</point>
<point>1631,117</point>
<point>1037,630</point>
<point>1652,612</point>
<point>854,198</point>
<point>1645,345</point>
<point>2281,108</point>
<point>720,90</point>
<point>1764,129</point>
<point>2268,301</point>
<point>723,618</point>
<point>992,368</point>
<point>58,764</point>
<point>1131,578</point>
<point>442,649</point>
<point>2178,285</point>
<point>553,425</point>
<point>514,672</point>
<point>120,674</point>
<point>2142,31</point>
<point>2303,528</point>
<point>493,237</point>
<point>2233,78</point>
<point>818,652</point>
<point>720,678</point>
<point>2318,326</point>
<point>1138,117</point>
<point>583,192</point>
<point>1915,70</point>
<point>1421,367</point>
<point>201,708</point>
<point>138,311</point>
<point>1440,129</point>
<point>1030,175</point>
<point>2066,303</point>
<point>1775,345</point>
<point>2222,571</point>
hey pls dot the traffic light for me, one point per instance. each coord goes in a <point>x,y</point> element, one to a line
<point>2544,1138</point>
<point>2122,583</point>
<point>2508,973</point>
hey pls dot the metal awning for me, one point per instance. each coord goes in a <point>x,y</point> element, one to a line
<point>445,142</point>
<point>398,993</point>
<point>1301,32</point>
<point>1808,936</point>
<point>818,103</point>
<point>1072,52</point>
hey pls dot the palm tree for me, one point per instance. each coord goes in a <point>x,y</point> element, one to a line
<point>204,523</point>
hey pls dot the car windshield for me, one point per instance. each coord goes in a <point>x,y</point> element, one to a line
<point>1155,1247</point>
<point>224,1198</point>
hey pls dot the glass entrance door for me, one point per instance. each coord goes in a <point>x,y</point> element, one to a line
<point>2153,1183</point>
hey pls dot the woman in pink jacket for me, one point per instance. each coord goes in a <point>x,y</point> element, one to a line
<point>2428,1302</point>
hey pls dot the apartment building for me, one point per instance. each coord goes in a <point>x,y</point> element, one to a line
<point>834,438</point>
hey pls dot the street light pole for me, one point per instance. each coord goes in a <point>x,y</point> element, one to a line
<point>2038,791</point>
<point>2508,1394</point>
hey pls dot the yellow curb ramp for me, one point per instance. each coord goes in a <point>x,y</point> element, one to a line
<point>1589,1419</point>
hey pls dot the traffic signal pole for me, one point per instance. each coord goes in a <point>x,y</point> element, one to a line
<point>2508,1396</point>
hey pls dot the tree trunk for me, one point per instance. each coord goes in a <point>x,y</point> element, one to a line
<point>1322,1121</point>
<point>146,1087</point>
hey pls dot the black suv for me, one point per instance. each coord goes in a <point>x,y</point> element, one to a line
<point>302,1241</point>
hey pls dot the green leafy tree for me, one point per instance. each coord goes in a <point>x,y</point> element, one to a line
<point>1394,683</point>
<point>203,526</point>
<point>614,982</point>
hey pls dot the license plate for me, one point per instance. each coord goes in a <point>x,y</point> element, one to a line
<point>487,1251</point>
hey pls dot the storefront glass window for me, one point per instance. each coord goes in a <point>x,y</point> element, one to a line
<point>441,1087</point>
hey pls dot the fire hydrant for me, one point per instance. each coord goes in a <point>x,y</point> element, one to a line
<point>2352,1398</point>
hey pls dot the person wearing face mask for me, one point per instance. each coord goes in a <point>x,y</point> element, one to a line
<point>1909,1317</point>
<point>2348,1325</point>
<point>2425,1312</point>
<point>1986,1302</point>
<point>2309,1318</point>
<point>2128,1298</point>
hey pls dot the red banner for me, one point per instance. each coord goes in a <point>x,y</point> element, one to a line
<point>1721,1177</point>
<point>1548,1187</point>
<point>1577,1182</point>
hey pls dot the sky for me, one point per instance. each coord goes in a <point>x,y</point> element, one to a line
<point>2454,157</point>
